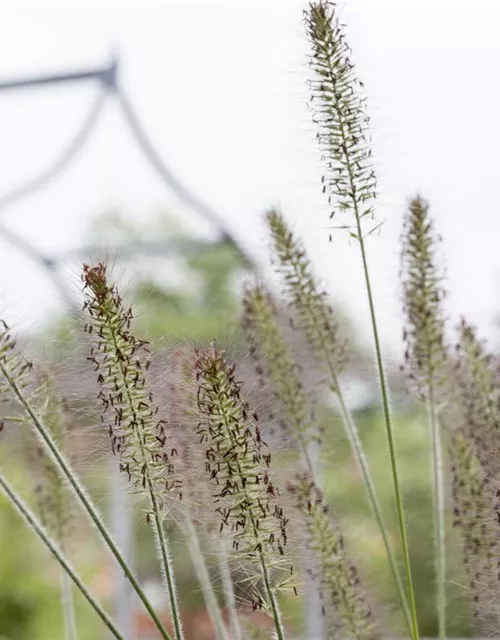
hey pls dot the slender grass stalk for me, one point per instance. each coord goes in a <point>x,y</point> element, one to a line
<point>273,601</point>
<point>426,360</point>
<point>68,607</point>
<point>65,469</point>
<point>204,579</point>
<point>314,316</point>
<point>228,587</point>
<point>136,435</point>
<point>343,137</point>
<point>37,528</point>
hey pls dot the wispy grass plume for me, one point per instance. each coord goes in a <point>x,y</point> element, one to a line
<point>137,435</point>
<point>313,315</point>
<point>347,611</point>
<point>426,358</point>
<point>474,515</point>
<point>342,129</point>
<point>55,503</point>
<point>268,347</point>
<point>238,467</point>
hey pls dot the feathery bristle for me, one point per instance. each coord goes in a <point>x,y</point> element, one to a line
<point>422,297</point>
<point>237,463</point>
<point>55,502</point>
<point>477,396</point>
<point>347,612</point>
<point>473,509</point>
<point>12,363</point>
<point>312,313</point>
<point>268,347</point>
<point>121,361</point>
<point>340,115</point>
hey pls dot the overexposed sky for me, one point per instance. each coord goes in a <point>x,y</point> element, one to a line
<point>220,87</point>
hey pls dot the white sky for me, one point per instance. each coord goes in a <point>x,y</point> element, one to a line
<point>220,88</point>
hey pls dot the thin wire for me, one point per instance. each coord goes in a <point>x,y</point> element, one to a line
<point>31,252</point>
<point>48,175</point>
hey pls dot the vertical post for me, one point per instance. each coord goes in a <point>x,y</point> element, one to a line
<point>123,533</point>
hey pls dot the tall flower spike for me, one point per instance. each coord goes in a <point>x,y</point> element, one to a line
<point>350,181</point>
<point>268,346</point>
<point>346,609</point>
<point>13,365</point>
<point>422,297</point>
<point>55,501</point>
<point>478,396</point>
<point>138,437</point>
<point>426,359</point>
<point>238,468</point>
<point>307,300</point>
<point>313,315</point>
<point>339,114</point>
<point>473,500</point>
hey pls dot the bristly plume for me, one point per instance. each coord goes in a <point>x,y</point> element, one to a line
<point>346,609</point>
<point>477,402</point>
<point>340,115</point>
<point>121,361</point>
<point>267,345</point>
<point>55,503</point>
<point>423,294</point>
<point>137,435</point>
<point>237,463</point>
<point>12,365</point>
<point>312,313</point>
<point>474,515</point>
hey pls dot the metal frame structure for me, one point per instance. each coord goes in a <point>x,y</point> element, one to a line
<point>106,77</point>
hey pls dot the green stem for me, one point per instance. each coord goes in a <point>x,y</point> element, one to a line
<point>438,504</point>
<point>68,607</point>
<point>389,431</point>
<point>227,584</point>
<point>275,610</point>
<point>166,564</point>
<point>35,526</point>
<point>65,469</point>
<point>204,580</point>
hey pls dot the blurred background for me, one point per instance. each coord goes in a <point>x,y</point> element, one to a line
<point>171,128</point>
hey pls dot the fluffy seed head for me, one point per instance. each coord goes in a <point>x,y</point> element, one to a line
<point>311,310</point>
<point>340,115</point>
<point>268,347</point>
<point>138,436</point>
<point>422,300</point>
<point>345,607</point>
<point>238,465</point>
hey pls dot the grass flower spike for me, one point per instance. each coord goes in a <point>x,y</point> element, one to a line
<point>238,466</point>
<point>340,116</point>
<point>345,606</point>
<point>426,358</point>
<point>342,129</point>
<point>313,315</point>
<point>137,434</point>
<point>269,348</point>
